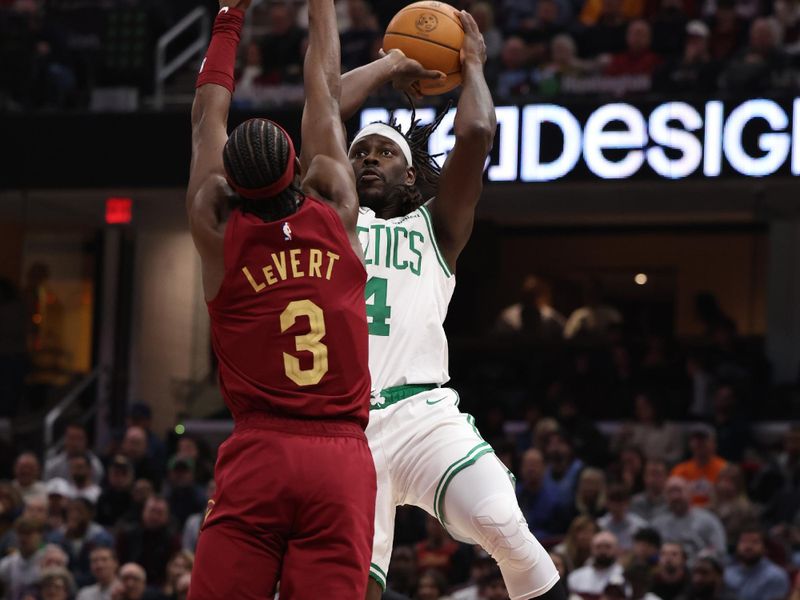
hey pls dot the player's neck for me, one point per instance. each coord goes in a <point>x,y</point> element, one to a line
<point>274,209</point>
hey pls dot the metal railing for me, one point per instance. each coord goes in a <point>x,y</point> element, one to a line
<point>66,402</point>
<point>163,68</point>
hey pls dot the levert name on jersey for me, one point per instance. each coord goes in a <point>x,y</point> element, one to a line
<point>294,264</point>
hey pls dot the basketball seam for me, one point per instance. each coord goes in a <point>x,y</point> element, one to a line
<point>413,37</point>
<point>436,10</point>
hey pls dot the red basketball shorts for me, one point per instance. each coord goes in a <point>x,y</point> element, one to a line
<point>295,503</point>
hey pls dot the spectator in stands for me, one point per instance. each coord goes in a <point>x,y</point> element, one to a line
<point>432,585</point>
<point>483,13</point>
<point>639,579</point>
<point>516,77</point>
<point>658,440</point>
<point>590,495</point>
<point>58,493</point>
<point>577,545</point>
<point>281,49</point>
<point>671,579</point>
<point>134,448</point>
<point>669,28</point>
<point>706,581</point>
<point>520,15</point>
<point>116,500</point>
<point>607,34</point>
<point>180,564</point>
<point>132,584</point>
<point>562,566</point>
<point>593,11</point>
<point>20,571</point>
<point>82,535</point>
<point>638,58</point>
<point>185,497</point>
<point>564,62</point>
<point>143,489</point>
<point>593,320</point>
<point>140,415</point>
<point>36,507</point>
<point>704,466</point>
<point>538,497</point>
<point>533,315</point>
<point>753,576</point>
<point>358,40</point>
<point>56,584</point>
<point>755,67</point>
<point>788,461</point>
<point>542,29</point>
<point>191,530</point>
<point>646,547</point>
<point>182,586</point>
<point>251,82</point>
<point>189,447</point>
<point>591,446</point>
<point>437,550</point>
<point>563,469</point>
<point>82,484</point>
<point>54,556</point>
<point>731,503</point>
<point>696,529</point>
<point>491,586</point>
<point>694,71</point>
<point>731,428</point>
<point>629,469</point>
<point>76,443</point>
<point>593,578</point>
<point>27,471</point>
<point>104,564</point>
<point>152,543</point>
<point>402,576</point>
<point>619,520</point>
<point>728,33</point>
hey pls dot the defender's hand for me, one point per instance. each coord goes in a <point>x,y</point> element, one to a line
<point>240,4</point>
<point>407,73</point>
<point>474,48</point>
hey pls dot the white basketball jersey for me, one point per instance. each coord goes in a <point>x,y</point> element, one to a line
<point>409,287</point>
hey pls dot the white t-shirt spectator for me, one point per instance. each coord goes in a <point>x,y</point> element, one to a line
<point>591,580</point>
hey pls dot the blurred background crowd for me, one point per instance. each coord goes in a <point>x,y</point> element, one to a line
<point>56,53</point>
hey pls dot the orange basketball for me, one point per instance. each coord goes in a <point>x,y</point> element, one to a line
<point>431,33</point>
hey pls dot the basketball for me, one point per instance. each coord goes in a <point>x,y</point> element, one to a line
<point>430,33</point>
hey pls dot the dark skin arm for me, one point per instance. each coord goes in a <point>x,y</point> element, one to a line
<point>328,174</point>
<point>394,67</point>
<point>208,191</point>
<point>461,182</point>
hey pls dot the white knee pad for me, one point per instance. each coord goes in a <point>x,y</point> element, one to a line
<point>504,533</point>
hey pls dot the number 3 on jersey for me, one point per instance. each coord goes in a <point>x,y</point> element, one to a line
<point>309,342</point>
<point>377,311</point>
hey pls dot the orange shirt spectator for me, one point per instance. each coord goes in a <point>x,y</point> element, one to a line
<point>594,9</point>
<point>703,469</point>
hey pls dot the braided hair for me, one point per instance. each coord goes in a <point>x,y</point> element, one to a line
<point>428,170</point>
<point>256,155</point>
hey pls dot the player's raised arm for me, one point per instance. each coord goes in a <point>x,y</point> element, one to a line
<point>323,156</point>
<point>209,128</point>
<point>461,181</point>
<point>395,67</point>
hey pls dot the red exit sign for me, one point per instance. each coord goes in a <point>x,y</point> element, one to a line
<point>118,211</point>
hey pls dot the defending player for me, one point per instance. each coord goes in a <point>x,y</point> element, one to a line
<point>426,452</point>
<point>283,277</point>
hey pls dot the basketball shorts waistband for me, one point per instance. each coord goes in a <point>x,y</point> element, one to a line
<point>312,427</point>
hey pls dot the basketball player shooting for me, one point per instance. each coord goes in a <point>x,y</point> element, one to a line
<point>427,453</point>
<point>283,277</point>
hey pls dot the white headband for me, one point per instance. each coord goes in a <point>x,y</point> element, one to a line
<point>388,132</point>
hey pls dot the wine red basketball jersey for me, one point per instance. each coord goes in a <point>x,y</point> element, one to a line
<point>289,322</point>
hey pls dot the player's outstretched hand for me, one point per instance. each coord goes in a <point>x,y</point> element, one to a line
<point>407,73</point>
<point>473,48</point>
<point>240,4</point>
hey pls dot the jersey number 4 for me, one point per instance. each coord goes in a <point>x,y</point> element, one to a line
<point>308,342</point>
<point>377,310</point>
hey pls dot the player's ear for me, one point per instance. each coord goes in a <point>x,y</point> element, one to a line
<point>411,175</point>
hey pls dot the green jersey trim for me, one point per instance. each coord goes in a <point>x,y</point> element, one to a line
<point>378,575</point>
<point>393,395</point>
<point>427,216</point>
<point>453,470</point>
